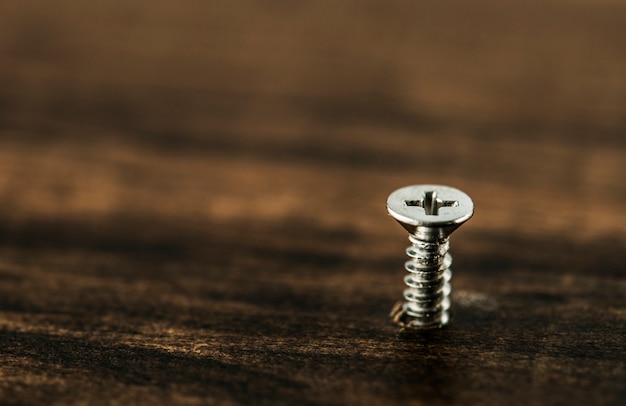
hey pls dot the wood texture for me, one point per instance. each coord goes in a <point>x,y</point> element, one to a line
<point>192,201</point>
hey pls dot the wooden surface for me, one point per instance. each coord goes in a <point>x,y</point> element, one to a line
<point>192,201</point>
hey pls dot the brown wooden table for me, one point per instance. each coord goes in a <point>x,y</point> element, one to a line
<point>192,201</point>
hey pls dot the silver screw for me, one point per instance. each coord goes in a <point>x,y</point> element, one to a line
<point>430,213</point>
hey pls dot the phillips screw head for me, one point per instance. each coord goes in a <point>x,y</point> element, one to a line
<point>430,211</point>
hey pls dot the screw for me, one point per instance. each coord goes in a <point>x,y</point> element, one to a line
<point>430,213</point>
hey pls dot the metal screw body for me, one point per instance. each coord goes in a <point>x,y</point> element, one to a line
<point>430,213</point>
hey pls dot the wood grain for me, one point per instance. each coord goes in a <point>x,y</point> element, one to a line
<point>192,201</point>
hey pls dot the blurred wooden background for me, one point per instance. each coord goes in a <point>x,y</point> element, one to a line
<point>192,200</point>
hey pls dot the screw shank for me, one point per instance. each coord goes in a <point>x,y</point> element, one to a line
<point>428,285</point>
<point>429,233</point>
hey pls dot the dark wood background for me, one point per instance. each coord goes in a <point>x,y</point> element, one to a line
<point>192,200</point>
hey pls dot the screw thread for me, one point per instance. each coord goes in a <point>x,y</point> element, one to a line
<point>427,301</point>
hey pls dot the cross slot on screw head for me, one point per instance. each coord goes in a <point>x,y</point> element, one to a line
<point>430,213</point>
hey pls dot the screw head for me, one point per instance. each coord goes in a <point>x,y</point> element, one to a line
<point>430,211</point>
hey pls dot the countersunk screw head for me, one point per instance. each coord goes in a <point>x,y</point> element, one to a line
<point>431,212</point>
